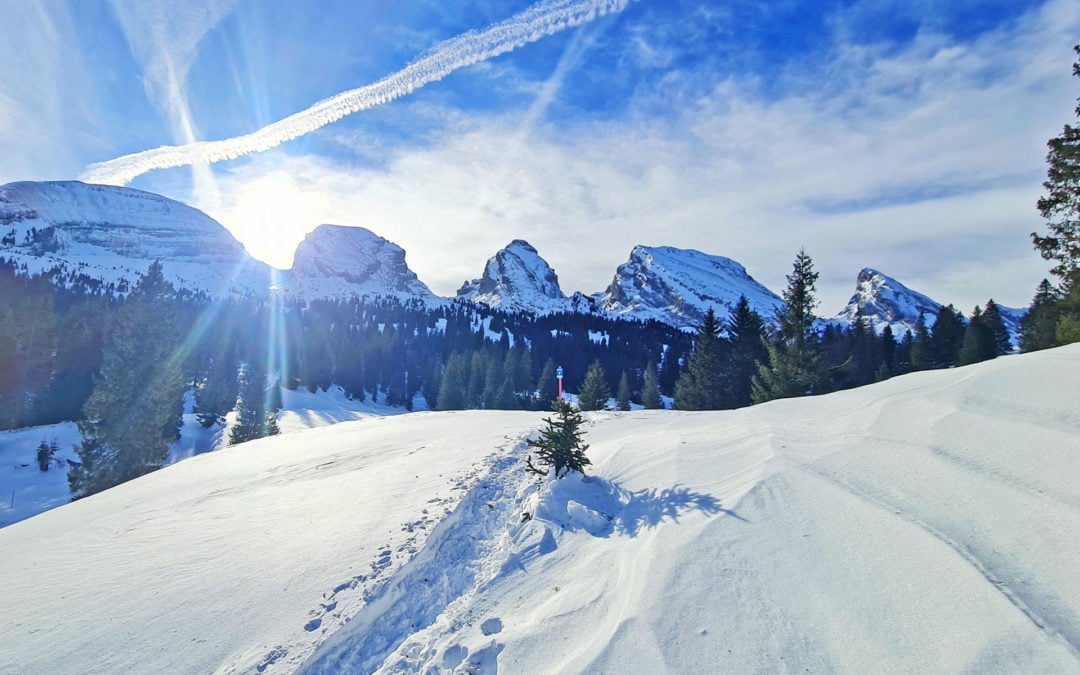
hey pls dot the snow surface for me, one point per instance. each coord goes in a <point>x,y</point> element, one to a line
<point>923,524</point>
<point>517,279</point>
<point>26,491</point>
<point>678,286</point>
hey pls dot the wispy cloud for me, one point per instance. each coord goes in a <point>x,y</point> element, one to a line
<point>535,23</point>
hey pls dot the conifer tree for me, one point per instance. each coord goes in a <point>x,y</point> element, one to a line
<point>701,385</point>
<point>1061,204</point>
<point>217,395</point>
<point>506,398</point>
<point>559,448</point>
<point>650,390</point>
<point>793,366</point>
<point>999,332</point>
<point>547,387</point>
<point>623,395</point>
<point>947,337</point>
<point>594,392</point>
<point>134,411</point>
<point>746,334</point>
<point>920,345</point>
<point>978,344</point>
<point>272,408</point>
<point>452,390</point>
<point>251,409</point>
<point>46,450</point>
<point>1038,328</point>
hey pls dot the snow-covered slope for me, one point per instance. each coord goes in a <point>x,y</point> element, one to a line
<point>887,302</point>
<point>26,491</point>
<point>113,233</point>
<point>677,286</point>
<point>923,524</point>
<point>335,260</point>
<point>518,279</point>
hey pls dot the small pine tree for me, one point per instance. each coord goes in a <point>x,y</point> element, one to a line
<point>624,394</point>
<point>594,392</point>
<point>45,453</point>
<point>650,391</point>
<point>272,409</point>
<point>947,337</point>
<point>746,333</point>
<point>978,342</point>
<point>559,448</point>
<point>252,413</point>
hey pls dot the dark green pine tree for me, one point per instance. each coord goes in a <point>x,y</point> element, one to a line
<point>559,448</point>
<point>701,385</point>
<point>746,334</point>
<point>1038,328</point>
<point>920,345</point>
<point>507,399</point>
<point>947,337</point>
<point>217,395</point>
<point>547,387</point>
<point>251,408</point>
<point>978,344</point>
<point>454,384</point>
<point>1061,209</point>
<point>595,391</point>
<point>133,413</point>
<point>999,332</point>
<point>650,390</point>
<point>1060,206</point>
<point>623,393</point>
<point>793,366</point>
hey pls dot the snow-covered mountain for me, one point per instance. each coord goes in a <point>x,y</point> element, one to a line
<point>677,286</point>
<point>518,279</point>
<point>887,302</point>
<point>853,532</point>
<point>339,261</point>
<point>113,234</point>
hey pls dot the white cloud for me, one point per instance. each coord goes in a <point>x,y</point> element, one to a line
<point>832,166</point>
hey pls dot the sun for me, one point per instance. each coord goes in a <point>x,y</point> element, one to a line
<point>270,215</point>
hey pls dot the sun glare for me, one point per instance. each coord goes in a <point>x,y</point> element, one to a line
<point>270,216</point>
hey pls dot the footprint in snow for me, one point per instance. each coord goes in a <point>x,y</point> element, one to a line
<point>491,626</point>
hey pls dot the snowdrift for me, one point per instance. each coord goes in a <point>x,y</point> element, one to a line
<point>924,524</point>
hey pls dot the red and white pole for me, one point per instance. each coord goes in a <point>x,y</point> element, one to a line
<point>559,376</point>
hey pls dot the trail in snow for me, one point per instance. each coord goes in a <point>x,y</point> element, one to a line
<point>536,22</point>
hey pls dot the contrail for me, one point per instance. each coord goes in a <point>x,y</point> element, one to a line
<point>536,22</point>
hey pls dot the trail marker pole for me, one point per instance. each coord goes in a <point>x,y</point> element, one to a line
<point>559,376</point>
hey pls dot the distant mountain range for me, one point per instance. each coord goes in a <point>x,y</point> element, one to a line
<point>112,234</point>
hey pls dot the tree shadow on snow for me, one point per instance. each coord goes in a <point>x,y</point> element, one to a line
<point>649,508</point>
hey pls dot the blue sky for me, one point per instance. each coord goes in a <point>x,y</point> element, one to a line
<point>905,136</point>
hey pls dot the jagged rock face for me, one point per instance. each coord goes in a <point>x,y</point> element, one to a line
<point>678,286</point>
<point>887,302</point>
<point>518,279</point>
<point>334,260</point>
<point>114,233</point>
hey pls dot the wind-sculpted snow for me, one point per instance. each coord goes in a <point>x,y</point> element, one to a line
<point>518,279</point>
<point>536,22</point>
<point>922,524</point>
<point>677,286</point>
